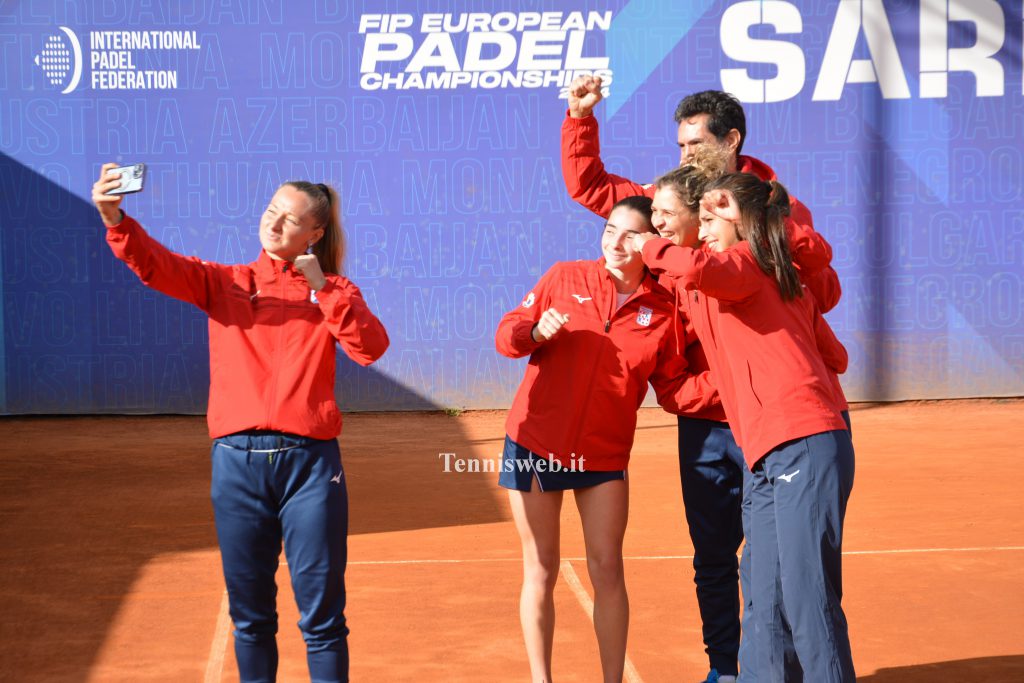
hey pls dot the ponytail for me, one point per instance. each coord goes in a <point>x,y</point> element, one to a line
<point>781,260</point>
<point>329,249</point>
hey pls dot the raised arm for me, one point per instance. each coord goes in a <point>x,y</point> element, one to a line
<point>730,275</point>
<point>586,179</point>
<point>182,277</point>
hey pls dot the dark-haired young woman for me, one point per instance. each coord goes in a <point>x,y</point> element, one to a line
<point>596,333</point>
<point>277,473</point>
<point>763,340</point>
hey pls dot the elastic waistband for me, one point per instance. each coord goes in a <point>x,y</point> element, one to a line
<point>264,441</point>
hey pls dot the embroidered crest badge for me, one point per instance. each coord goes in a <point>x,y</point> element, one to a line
<point>643,317</point>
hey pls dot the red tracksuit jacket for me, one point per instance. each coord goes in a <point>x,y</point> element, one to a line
<point>271,347</point>
<point>582,389</point>
<point>764,352</point>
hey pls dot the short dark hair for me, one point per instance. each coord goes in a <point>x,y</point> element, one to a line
<point>724,113</point>
<point>642,205</point>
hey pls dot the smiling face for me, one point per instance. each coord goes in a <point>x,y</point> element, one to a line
<point>673,220</point>
<point>717,233</point>
<point>287,225</point>
<point>694,133</point>
<point>617,241</point>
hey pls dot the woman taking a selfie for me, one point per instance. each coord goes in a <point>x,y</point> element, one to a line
<point>277,473</point>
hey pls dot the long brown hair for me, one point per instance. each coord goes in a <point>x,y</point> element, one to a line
<point>329,249</point>
<point>764,205</point>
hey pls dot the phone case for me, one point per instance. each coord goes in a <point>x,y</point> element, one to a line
<point>132,179</point>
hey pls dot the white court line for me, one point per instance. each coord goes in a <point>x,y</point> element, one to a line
<point>581,594</point>
<point>897,551</point>
<point>219,647</point>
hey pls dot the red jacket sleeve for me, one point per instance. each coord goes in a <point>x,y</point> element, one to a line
<point>680,391</point>
<point>809,250</point>
<point>514,337</point>
<point>730,275</point>
<point>831,349</point>
<point>350,320</point>
<point>586,179</point>
<point>183,277</point>
<point>824,286</point>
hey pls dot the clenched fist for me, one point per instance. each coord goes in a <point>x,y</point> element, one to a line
<point>551,323</point>
<point>310,269</point>
<point>584,94</point>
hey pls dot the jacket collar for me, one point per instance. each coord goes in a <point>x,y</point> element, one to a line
<point>745,164</point>
<point>270,266</point>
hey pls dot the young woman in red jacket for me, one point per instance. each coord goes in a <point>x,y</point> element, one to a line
<point>759,329</point>
<point>596,333</point>
<point>277,473</point>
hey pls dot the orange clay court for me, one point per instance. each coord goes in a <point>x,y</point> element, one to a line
<point>111,569</point>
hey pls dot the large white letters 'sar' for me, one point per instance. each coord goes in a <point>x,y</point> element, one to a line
<point>838,66</point>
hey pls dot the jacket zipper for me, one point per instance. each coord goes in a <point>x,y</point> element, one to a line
<point>608,323</point>
<point>607,328</point>
<point>276,356</point>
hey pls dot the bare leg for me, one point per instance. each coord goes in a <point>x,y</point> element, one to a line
<point>604,510</point>
<point>536,515</point>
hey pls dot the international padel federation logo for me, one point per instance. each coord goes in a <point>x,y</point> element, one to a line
<point>61,59</point>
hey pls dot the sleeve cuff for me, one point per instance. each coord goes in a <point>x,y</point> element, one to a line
<point>524,336</point>
<point>123,226</point>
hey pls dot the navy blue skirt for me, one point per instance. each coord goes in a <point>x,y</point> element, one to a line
<point>520,467</point>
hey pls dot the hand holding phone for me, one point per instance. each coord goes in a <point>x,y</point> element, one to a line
<point>132,179</point>
<point>108,191</point>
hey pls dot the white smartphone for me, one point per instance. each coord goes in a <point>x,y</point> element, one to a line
<point>132,179</point>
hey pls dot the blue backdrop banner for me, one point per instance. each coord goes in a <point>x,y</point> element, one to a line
<point>899,124</point>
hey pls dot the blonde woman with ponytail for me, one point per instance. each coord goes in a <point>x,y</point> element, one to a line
<point>277,474</point>
<point>770,351</point>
